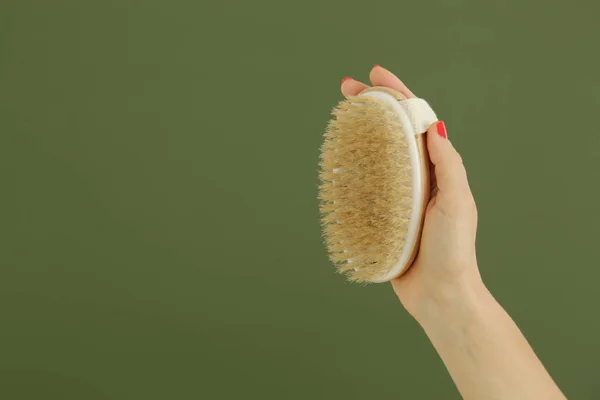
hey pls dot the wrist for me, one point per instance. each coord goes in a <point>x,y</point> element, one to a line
<point>450,300</point>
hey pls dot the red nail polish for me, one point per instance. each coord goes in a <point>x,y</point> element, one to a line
<point>346,79</point>
<point>441,129</point>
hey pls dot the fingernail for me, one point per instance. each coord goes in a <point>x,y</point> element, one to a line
<point>376,66</point>
<point>441,129</point>
<point>346,79</point>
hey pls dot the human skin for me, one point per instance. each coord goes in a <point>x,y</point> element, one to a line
<point>484,351</point>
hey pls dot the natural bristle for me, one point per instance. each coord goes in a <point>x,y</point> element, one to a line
<point>365,188</point>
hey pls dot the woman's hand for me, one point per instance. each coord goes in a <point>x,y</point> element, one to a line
<point>483,349</point>
<point>446,258</point>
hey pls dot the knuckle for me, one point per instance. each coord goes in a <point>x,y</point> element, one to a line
<point>458,158</point>
<point>472,206</point>
<point>466,203</point>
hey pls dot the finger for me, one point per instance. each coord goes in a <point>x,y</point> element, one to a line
<point>450,173</point>
<point>382,77</point>
<point>350,87</point>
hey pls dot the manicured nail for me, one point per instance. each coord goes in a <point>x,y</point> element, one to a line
<point>441,129</point>
<point>346,79</point>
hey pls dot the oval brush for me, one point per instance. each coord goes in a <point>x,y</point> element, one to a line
<point>375,183</point>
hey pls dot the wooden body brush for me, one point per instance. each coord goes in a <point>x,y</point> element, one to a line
<point>375,183</point>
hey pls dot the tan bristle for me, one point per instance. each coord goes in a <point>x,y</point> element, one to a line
<point>365,188</point>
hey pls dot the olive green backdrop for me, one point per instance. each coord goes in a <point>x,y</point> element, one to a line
<point>158,166</point>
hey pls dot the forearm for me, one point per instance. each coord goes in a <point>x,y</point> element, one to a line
<point>483,349</point>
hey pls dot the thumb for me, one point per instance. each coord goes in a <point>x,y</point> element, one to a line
<point>450,174</point>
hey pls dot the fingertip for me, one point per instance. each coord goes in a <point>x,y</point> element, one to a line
<point>440,128</point>
<point>381,76</point>
<point>352,87</point>
<point>436,136</point>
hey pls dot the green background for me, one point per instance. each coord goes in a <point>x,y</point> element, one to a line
<point>158,166</point>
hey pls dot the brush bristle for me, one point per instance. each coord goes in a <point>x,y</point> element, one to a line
<point>365,188</point>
